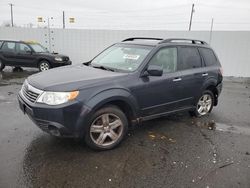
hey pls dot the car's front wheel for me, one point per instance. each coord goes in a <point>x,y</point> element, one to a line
<point>44,65</point>
<point>2,65</point>
<point>204,105</point>
<point>107,128</point>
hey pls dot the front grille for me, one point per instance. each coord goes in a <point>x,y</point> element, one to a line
<point>30,93</point>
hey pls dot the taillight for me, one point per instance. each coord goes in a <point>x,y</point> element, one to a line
<point>221,70</point>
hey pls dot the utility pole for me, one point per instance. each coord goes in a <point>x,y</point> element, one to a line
<point>11,14</point>
<point>49,34</point>
<point>191,17</point>
<point>211,31</point>
<point>63,20</point>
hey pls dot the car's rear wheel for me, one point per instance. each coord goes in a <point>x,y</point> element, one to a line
<point>2,65</point>
<point>44,65</point>
<point>204,105</point>
<point>107,128</point>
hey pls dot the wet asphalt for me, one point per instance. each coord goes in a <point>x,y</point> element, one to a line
<point>174,151</point>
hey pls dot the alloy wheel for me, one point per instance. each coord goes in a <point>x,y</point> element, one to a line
<point>106,129</point>
<point>204,104</point>
<point>44,66</point>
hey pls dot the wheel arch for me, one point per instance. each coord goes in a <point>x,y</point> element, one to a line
<point>213,89</point>
<point>211,86</point>
<point>121,98</point>
<point>42,59</point>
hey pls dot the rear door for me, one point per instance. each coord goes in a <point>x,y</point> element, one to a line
<point>8,53</point>
<point>24,56</point>
<point>212,64</point>
<point>192,74</point>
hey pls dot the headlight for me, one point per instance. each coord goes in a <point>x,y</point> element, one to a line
<point>55,98</point>
<point>58,59</point>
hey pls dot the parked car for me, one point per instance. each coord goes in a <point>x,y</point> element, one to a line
<point>132,81</point>
<point>29,54</point>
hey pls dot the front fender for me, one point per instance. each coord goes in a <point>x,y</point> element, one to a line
<point>110,95</point>
<point>102,98</point>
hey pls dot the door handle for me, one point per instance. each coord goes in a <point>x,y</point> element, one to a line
<point>204,74</point>
<point>176,79</point>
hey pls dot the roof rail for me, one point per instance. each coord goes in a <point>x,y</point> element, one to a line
<point>140,38</point>
<point>193,41</point>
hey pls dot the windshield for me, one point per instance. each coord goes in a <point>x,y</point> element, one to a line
<point>125,58</point>
<point>39,48</point>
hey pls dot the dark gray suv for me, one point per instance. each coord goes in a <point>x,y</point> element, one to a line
<point>132,81</point>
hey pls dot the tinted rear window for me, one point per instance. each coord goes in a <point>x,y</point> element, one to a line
<point>189,58</point>
<point>208,56</point>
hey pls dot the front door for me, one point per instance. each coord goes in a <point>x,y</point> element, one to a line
<point>160,94</point>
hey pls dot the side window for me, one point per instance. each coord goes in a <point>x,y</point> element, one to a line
<point>189,58</point>
<point>208,56</point>
<point>167,58</point>
<point>9,46</point>
<point>22,48</point>
<point>1,42</point>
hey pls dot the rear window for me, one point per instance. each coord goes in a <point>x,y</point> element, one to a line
<point>208,56</point>
<point>189,58</point>
<point>9,46</point>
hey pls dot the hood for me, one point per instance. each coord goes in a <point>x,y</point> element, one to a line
<point>52,54</point>
<point>71,78</point>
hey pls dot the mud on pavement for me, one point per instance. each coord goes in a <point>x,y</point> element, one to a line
<point>174,151</point>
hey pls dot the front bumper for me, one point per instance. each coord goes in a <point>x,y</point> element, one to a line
<point>66,120</point>
<point>64,63</point>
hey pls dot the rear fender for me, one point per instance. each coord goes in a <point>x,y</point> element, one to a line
<point>211,82</point>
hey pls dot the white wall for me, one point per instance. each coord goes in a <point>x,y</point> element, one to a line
<point>232,47</point>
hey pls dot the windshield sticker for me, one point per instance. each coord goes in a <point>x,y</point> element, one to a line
<point>131,56</point>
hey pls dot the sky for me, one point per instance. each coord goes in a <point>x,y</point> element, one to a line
<point>130,14</point>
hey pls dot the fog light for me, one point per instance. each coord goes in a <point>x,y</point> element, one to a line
<point>54,130</point>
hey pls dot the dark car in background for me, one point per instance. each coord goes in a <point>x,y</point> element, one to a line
<point>29,54</point>
<point>132,81</point>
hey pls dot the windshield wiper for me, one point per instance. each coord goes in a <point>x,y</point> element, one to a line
<point>104,68</point>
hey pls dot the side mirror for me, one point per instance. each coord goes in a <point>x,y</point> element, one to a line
<point>86,63</point>
<point>154,70</point>
<point>29,52</point>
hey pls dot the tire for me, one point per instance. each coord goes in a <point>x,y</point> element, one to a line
<point>2,65</point>
<point>44,65</point>
<point>17,69</point>
<point>99,134</point>
<point>204,105</point>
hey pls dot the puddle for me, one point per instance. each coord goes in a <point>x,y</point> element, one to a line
<point>8,75</point>
<point>14,77</point>
<point>212,125</point>
<point>233,129</point>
